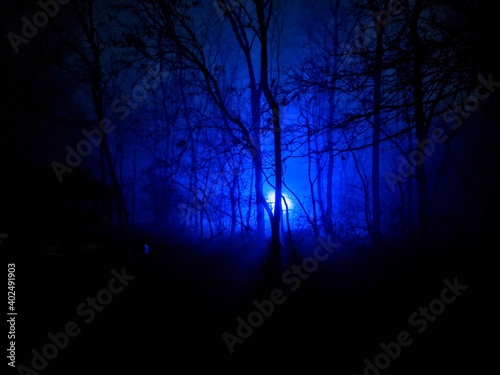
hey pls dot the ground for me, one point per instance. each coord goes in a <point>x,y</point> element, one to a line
<point>179,301</point>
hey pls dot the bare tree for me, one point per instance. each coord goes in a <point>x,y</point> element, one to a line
<point>88,52</point>
<point>173,25</point>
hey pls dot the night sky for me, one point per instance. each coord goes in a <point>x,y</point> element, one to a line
<point>250,185</point>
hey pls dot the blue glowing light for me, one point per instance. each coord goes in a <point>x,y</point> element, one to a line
<point>270,198</point>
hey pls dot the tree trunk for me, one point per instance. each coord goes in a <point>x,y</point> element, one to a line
<point>276,219</point>
<point>233,201</point>
<point>275,110</point>
<point>329,170</point>
<point>311,182</point>
<point>377,102</point>
<point>257,160</point>
<point>420,125</point>
<point>331,118</point>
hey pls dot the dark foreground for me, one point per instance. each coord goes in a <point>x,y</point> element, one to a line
<point>169,310</point>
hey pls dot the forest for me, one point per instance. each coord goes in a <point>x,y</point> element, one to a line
<point>296,178</point>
